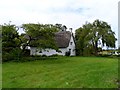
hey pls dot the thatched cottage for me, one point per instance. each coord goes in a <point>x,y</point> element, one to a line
<point>64,40</point>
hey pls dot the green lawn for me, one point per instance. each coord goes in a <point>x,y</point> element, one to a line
<point>64,72</point>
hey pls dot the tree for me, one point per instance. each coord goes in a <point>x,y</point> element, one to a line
<point>83,39</point>
<point>91,34</point>
<point>9,37</point>
<point>61,27</point>
<point>10,41</point>
<point>102,31</point>
<point>41,36</point>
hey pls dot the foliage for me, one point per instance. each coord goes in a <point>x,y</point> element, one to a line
<point>10,42</point>
<point>9,36</point>
<point>36,35</point>
<point>43,36</point>
<point>13,55</point>
<point>90,35</point>
<point>61,27</point>
<point>84,40</point>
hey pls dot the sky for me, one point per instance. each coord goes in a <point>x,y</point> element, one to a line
<point>72,13</point>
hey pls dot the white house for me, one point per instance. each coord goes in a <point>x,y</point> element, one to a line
<point>64,40</point>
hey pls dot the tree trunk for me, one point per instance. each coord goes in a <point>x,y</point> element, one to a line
<point>96,48</point>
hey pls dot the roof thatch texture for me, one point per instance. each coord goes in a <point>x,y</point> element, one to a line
<point>62,38</point>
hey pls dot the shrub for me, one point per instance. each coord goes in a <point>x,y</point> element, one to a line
<point>14,54</point>
<point>26,52</point>
<point>6,57</point>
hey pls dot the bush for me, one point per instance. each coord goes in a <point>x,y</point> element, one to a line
<point>6,57</point>
<point>14,54</point>
<point>26,59</point>
<point>26,52</point>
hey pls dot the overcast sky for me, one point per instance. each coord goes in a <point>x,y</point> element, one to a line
<point>72,13</point>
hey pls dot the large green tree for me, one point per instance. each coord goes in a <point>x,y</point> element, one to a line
<point>83,39</point>
<point>102,31</point>
<point>9,37</point>
<point>10,41</point>
<point>90,35</point>
<point>41,35</point>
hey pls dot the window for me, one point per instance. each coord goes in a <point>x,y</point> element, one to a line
<point>71,43</point>
<point>40,51</point>
<point>73,50</point>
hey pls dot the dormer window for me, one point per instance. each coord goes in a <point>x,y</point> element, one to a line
<point>71,43</point>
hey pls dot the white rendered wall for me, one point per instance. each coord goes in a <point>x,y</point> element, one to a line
<point>72,47</point>
<point>47,52</point>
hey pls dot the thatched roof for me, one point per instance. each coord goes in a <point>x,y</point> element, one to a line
<point>62,38</point>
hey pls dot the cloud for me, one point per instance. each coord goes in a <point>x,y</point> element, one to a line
<point>72,13</point>
<point>68,9</point>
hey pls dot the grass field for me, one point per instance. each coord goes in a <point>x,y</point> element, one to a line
<point>63,72</point>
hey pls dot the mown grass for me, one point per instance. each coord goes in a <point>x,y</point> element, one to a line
<point>64,72</point>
